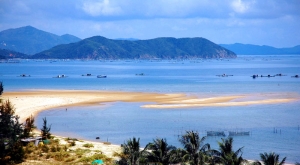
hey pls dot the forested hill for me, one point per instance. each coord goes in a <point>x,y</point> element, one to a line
<point>29,40</point>
<point>160,48</point>
<point>6,54</point>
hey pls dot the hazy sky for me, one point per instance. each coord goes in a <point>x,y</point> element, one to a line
<point>262,22</point>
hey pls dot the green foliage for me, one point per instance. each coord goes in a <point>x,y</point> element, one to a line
<point>10,132</point>
<point>90,159</point>
<point>45,130</point>
<point>61,155</point>
<point>161,152</point>
<point>80,152</point>
<point>226,155</point>
<point>131,152</point>
<point>68,138</point>
<point>270,159</point>
<point>88,145</point>
<point>30,147</point>
<point>45,148</point>
<point>195,149</point>
<point>28,126</point>
<point>17,153</point>
<point>1,88</point>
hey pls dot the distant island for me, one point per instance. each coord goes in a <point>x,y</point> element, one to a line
<point>160,48</point>
<point>248,49</point>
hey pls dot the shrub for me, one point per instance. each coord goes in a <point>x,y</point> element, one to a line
<point>74,139</point>
<point>60,156</point>
<point>53,149</point>
<point>88,145</point>
<point>72,143</point>
<point>45,148</point>
<point>70,159</point>
<point>94,157</point>
<point>30,147</point>
<point>48,156</point>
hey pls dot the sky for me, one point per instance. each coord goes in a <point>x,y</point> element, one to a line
<point>260,22</point>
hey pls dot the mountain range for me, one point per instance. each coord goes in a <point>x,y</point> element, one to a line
<point>29,40</point>
<point>248,49</point>
<point>35,43</point>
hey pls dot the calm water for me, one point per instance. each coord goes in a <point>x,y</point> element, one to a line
<point>117,122</point>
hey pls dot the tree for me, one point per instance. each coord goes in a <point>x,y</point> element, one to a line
<point>161,152</point>
<point>28,126</point>
<point>1,88</point>
<point>45,130</point>
<point>196,151</point>
<point>131,152</point>
<point>226,155</point>
<point>10,132</point>
<point>270,159</point>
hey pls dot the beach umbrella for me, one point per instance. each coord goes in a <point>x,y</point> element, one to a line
<point>97,161</point>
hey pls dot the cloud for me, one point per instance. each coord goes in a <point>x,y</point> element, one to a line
<point>241,7</point>
<point>222,21</point>
<point>99,8</point>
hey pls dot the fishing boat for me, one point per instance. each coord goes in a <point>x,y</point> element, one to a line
<point>215,133</point>
<point>24,75</point>
<point>60,76</point>
<point>88,74</point>
<point>101,76</point>
<point>224,75</point>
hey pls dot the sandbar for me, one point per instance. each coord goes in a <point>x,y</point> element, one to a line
<point>32,102</point>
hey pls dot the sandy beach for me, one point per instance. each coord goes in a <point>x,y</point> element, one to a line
<point>31,102</point>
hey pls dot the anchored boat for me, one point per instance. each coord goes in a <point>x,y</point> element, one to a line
<point>101,76</point>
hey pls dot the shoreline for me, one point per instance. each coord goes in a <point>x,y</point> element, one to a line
<point>32,102</point>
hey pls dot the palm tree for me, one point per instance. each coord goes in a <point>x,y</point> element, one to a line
<point>270,159</point>
<point>161,152</point>
<point>195,150</point>
<point>226,155</point>
<point>131,151</point>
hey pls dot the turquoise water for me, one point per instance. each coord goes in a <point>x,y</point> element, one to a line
<point>117,122</point>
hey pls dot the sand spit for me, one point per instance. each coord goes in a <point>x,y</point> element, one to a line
<point>32,102</point>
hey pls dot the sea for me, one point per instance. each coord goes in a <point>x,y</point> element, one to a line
<point>272,127</point>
